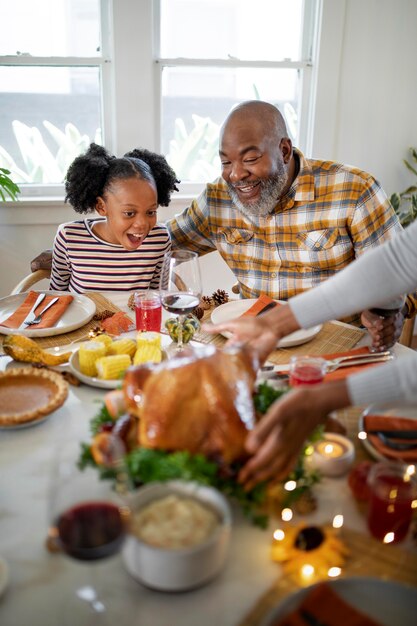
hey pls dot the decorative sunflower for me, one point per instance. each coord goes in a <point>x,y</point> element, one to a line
<point>308,552</point>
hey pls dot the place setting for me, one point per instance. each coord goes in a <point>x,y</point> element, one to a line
<point>44,313</point>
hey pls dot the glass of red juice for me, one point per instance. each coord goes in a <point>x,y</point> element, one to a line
<point>148,311</point>
<point>393,490</point>
<point>306,370</point>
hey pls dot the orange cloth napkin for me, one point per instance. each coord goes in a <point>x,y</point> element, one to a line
<point>117,324</point>
<point>48,320</point>
<point>343,372</point>
<point>388,422</point>
<point>258,306</point>
<point>327,607</point>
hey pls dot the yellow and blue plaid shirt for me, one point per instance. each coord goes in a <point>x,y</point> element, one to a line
<point>331,214</point>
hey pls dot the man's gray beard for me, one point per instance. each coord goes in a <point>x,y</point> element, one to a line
<point>271,190</point>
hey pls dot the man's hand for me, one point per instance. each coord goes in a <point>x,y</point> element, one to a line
<point>277,440</point>
<point>42,262</point>
<point>262,332</point>
<point>384,330</point>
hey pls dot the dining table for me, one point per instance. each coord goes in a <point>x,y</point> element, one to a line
<point>250,584</point>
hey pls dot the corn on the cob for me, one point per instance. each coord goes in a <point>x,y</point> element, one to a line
<point>148,339</point>
<point>122,346</point>
<point>113,367</point>
<point>147,353</point>
<point>106,339</point>
<point>88,354</point>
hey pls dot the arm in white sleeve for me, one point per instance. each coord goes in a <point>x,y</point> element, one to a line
<point>392,383</point>
<point>374,279</point>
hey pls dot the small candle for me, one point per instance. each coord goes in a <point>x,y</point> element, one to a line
<point>331,450</point>
<point>333,456</point>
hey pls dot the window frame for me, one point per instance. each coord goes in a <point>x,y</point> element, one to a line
<point>131,87</point>
<point>307,65</point>
<point>103,62</point>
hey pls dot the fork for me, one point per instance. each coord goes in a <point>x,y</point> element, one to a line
<point>358,359</point>
<point>38,318</point>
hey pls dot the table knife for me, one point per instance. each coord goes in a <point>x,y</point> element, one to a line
<point>271,305</point>
<point>31,315</point>
<point>394,434</point>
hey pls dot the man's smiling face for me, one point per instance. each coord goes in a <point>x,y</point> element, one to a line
<point>253,166</point>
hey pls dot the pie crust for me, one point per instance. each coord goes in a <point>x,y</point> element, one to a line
<point>28,394</point>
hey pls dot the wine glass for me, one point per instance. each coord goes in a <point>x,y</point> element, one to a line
<point>180,286</point>
<point>88,520</point>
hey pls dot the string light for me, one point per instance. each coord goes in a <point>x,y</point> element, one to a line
<point>338,521</point>
<point>286,515</point>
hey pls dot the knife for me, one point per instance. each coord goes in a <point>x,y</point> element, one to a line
<point>31,315</point>
<point>271,305</point>
<point>394,434</point>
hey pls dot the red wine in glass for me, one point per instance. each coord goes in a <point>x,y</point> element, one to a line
<point>180,303</point>
<point>91,530</point>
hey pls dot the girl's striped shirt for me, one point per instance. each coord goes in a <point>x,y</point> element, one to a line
<point>83,262</point>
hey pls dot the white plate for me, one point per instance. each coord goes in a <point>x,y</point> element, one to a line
<point>235,308</point>
<point>387,602</point>
<point>374,409</point>
<point>74,365</point>
<point>79,312</point>
<point>91,380</point>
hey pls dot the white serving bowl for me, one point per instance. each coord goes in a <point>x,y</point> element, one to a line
<point>180,569</point>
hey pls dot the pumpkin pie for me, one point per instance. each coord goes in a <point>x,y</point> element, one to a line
<point>28,394</point>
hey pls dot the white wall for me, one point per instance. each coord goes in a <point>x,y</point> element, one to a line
<point>365,115</point>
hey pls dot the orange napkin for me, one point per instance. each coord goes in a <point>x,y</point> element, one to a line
<point>327,607</point>
<point>343,372</point>
<point>258,306</point>
<point>388,422</point>
<point>117,324</point>
<point>48,320</point>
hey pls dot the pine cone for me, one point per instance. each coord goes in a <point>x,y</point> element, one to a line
<point>306,503</point>
<point>205,303</point>
<point>103,315</point>
<point>198,312</point>
<point>131,302</point>
<point>220,297</point>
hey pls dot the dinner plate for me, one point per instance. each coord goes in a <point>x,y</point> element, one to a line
<point>387,602</point>
<point>74,364</point>
<point>235,308</point>
<point>78,313</point>
<point>375,409</point>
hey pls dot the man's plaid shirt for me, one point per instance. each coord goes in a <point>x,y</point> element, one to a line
<point>331,214</point>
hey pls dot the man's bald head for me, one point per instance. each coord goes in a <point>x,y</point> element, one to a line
<point>257,113</point>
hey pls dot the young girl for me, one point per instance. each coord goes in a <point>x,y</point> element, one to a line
<point>123,249</point>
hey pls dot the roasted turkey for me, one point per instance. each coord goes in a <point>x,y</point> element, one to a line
<point>201,402</point>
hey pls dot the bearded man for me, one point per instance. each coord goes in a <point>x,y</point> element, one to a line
<point>284,223</point>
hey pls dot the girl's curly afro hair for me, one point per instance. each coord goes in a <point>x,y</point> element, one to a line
<point>91,174</point>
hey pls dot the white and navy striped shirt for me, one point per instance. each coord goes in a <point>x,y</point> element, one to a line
<point>83,262</point>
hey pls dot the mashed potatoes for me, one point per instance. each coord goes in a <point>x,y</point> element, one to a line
<point>174,522</point>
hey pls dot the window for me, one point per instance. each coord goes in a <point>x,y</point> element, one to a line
<point>51,73</point>
<point>215,53</point>
<point>160,74</point>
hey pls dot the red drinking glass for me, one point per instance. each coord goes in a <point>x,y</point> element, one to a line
<point>306,370</point>
<point>148,311</point>
<point>393,491</point>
